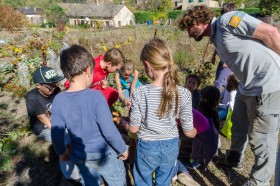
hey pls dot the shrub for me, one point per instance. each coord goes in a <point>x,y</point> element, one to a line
<point>253,11</point>
<point>174,14</point>
<point>10,18</point>
<point>143,17</point>
<point>269,7</point>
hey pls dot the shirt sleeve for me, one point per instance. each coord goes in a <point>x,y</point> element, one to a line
<point>106,125</point>
<point>135,112</point>
<point>242,24</point>
<point>33,106</point>
<point>58,127</point>
<point>185,110</point>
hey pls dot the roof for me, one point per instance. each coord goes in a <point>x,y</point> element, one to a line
<point>31,11</point>
<point>89,10</point>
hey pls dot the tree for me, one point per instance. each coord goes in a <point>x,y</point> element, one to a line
<point>10,18</point>
<point>238,3</point>
<point>159,5</point>
<point>15,3</point>
<point>252,3</point>
<point>56,15</point>
<point>270,7</point>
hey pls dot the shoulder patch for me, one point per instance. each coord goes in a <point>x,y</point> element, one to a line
<point>236,18</point>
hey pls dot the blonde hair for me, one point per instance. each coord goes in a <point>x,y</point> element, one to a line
<point>158,55</point>
<point>128,65</point>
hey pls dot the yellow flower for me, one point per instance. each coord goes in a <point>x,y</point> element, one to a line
<point>104,48</point>
<point>117,46</point>
<point>67,29</point>
<point>19,50</point>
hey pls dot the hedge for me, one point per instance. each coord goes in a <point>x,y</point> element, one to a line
<point>144,16</point>
<point>251,11</point>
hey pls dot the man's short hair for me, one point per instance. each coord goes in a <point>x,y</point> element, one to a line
<point>196,15</point>
<point>75,60</point>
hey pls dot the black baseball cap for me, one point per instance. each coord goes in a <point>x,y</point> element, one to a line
<point>46,75</point>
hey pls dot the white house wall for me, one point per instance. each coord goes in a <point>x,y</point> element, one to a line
<point>125,16</point>
<point>35,19</point>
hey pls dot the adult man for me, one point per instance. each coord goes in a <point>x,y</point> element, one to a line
<point>251,49</point>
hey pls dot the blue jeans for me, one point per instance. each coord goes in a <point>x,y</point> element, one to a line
<point>126,93</point>
<point>68,168</point>
<point>96,165</point>
<point>45,135</point>
<point>179,167</point>
<point>155,156</point>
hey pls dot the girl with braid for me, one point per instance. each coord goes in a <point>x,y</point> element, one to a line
<point>154,110</point>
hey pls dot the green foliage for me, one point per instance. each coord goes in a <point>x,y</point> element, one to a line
<point>217,11</point>
<point>9,148</point>
<point>144,16</point>
<point>238,3</point>
<point>159,5</point>
<point>269,7</point>
<point>205,71</point>
<point>251,10</point>
<point>56,15</point>
<point>174,14</point>
<point>15,3</point>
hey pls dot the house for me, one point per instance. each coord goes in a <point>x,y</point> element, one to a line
<point>208,3</point>
<point>110,15</point>
<point>34,15</point>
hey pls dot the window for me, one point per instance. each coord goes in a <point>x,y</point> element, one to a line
<point>130,22</point>
<point>201,0</point>
<point>190,1</point>
<point>119,23</point>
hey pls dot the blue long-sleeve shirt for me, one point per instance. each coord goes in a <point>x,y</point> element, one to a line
<point>89,122</point>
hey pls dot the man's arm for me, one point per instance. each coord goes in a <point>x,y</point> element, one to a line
<point>269,35</point>
<point>45,120</point>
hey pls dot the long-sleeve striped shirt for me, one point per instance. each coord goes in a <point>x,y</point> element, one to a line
<point>145,104</point>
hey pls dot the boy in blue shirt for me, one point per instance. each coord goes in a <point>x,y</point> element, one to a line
<point>97,147</point>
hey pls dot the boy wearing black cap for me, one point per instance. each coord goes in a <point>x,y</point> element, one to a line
<point>39,100</point>
<point>38,103</point>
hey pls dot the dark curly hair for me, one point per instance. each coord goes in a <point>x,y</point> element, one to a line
<point>232,83</point>
<point>196,15</point>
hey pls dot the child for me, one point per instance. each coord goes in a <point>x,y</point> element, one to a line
<point>111,62</point>
<point>192,84</point>
<point>208,106</point>
<point>39,100</point>
<point>205,143</point>
<point>97,146</point>
<point>38,103</point>
<point>228,96</point>
<point>127,80</point>
<point>154,110</point>
<point>209,103</point>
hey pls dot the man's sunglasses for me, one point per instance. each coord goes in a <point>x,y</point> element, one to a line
<point>49,86</point>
